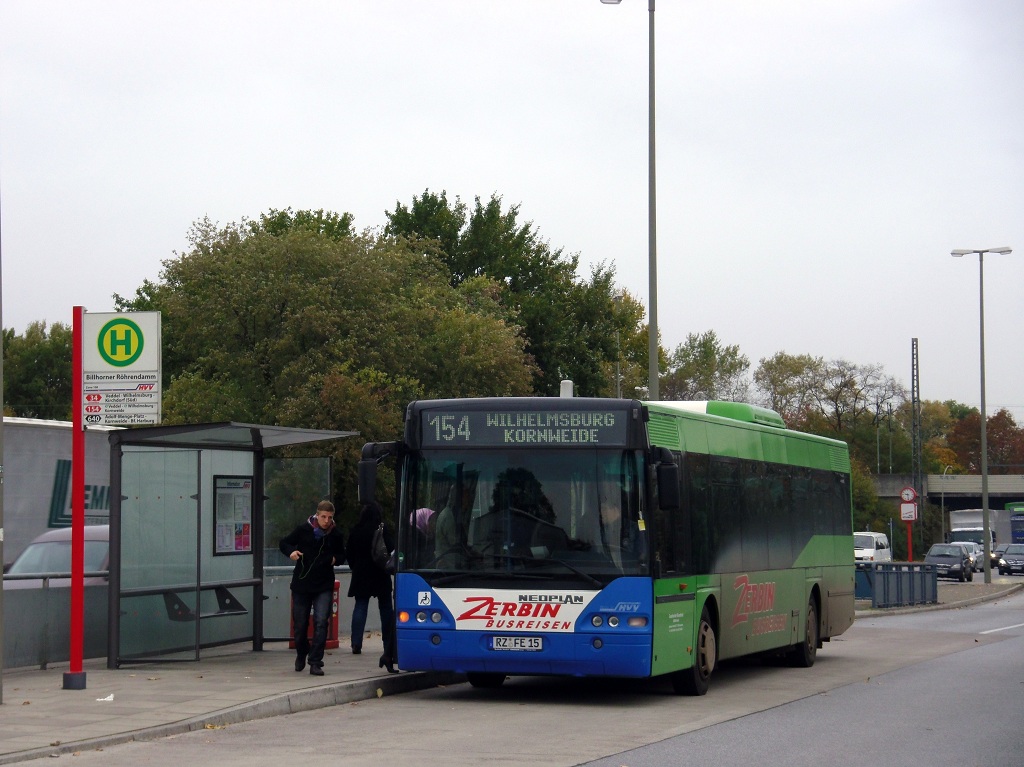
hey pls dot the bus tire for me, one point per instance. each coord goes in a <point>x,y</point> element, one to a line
<point>696,679</point>
<point>484,680</point>
<point>802,654</point>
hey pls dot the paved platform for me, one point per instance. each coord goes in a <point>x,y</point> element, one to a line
<point>39,718</point>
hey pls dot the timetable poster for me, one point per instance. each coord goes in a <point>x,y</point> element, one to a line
<point>232,499</point>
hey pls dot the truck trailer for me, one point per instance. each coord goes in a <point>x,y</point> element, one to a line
<point>37,479</point>
<point>1005,526</point>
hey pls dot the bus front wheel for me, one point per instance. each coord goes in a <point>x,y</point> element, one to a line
<point>696,679</point>
<point>484,680</point>
<point>802,654</point>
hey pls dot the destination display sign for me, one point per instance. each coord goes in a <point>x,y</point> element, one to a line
<point>548,428</point>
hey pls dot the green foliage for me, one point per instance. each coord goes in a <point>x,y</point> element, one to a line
<point>333,226</point>
<point>295,320</point>
<point>867,513</point>
<point>37,371</point>
<point>703,369</point>
<point>787,382</point>
<point>568,325</point>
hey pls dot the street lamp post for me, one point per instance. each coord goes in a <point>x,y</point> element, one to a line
<point>942,502</point>
<point>652,227</point>
<point>984,415</point>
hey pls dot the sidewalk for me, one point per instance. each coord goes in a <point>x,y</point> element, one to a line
<point>39,718</point>
<point>233,684</point>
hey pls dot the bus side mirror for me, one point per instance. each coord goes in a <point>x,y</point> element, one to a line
<point>367,481</point>
<point>373,453</point>
<point>668,481</point>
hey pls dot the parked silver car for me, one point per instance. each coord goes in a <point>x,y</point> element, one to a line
<point>50,554</point>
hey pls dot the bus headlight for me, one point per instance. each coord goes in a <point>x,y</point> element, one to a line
<point>613,621</point>
<point>596,621</point>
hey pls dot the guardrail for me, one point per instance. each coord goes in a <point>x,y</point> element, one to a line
<point>897,584</point>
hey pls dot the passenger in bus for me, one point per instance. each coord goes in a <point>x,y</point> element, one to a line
<point>423,523</point>
<point>450,537</point>
<point>425,520</point>
<point>621,541</point>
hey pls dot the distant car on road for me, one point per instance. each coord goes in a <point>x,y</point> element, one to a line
<point>50,554</point>
<point>1012,560</point>
<point>951,560</point>
<point>976,552</point>
<point>997,554</point>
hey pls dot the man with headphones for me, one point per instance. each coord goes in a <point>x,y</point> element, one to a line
<point>315,546</point>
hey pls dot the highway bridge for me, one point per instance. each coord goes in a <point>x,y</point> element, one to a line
<point>956,491</point>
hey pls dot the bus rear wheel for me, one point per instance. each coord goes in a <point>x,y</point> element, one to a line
<point>802,654</point>
<point>484,680</point>
<point>696,679</point>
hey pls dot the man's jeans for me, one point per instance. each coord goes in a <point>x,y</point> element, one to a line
<point>321,607</point>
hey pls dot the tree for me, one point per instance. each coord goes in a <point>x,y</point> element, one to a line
<point>1005,441</point>
<point>786,384</point>
<point>37,371</point>
<point>279,321</point>
<point>568,324</point>
<point>868,513</point>
<point>702,368</point>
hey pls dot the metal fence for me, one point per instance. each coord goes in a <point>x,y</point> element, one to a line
<point>897,584</point>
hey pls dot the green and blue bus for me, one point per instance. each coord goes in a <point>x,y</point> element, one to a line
<point>617,538</point>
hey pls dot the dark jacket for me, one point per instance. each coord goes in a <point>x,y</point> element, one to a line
<point>314,571</point>
<point>368,580</point>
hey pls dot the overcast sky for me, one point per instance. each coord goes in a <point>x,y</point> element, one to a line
<point>817,160</point>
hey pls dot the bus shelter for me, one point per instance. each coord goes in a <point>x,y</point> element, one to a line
<point>191,510</point>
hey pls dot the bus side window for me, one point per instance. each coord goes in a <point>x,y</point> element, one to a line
<point>697,501</point>
<point>779,508</point>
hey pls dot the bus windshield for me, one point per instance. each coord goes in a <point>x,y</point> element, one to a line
<point>559,512</point>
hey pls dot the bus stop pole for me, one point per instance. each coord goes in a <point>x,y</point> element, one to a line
<point>74,678</point>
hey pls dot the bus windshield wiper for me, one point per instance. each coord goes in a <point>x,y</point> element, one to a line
<point>585,576</point>
<point>485,574</point>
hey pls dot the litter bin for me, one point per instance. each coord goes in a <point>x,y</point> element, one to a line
<point>332,623</point>
<point>864,584</point>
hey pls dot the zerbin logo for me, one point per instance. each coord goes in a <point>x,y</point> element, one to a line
<point>120,342</point>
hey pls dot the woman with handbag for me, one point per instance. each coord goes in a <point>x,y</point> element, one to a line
<point>370,580</point>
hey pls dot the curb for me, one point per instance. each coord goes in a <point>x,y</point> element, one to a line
<point>332,694</point>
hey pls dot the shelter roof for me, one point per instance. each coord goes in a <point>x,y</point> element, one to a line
<point>227,435</point>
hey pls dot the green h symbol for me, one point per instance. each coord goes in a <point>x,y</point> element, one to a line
<point>124,340</point>
<point>121,342</point>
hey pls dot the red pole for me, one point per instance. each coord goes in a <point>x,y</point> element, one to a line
<point>910,541</point>
<point>74,679</point>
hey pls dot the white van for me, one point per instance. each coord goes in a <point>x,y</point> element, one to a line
<point>871,547</point>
